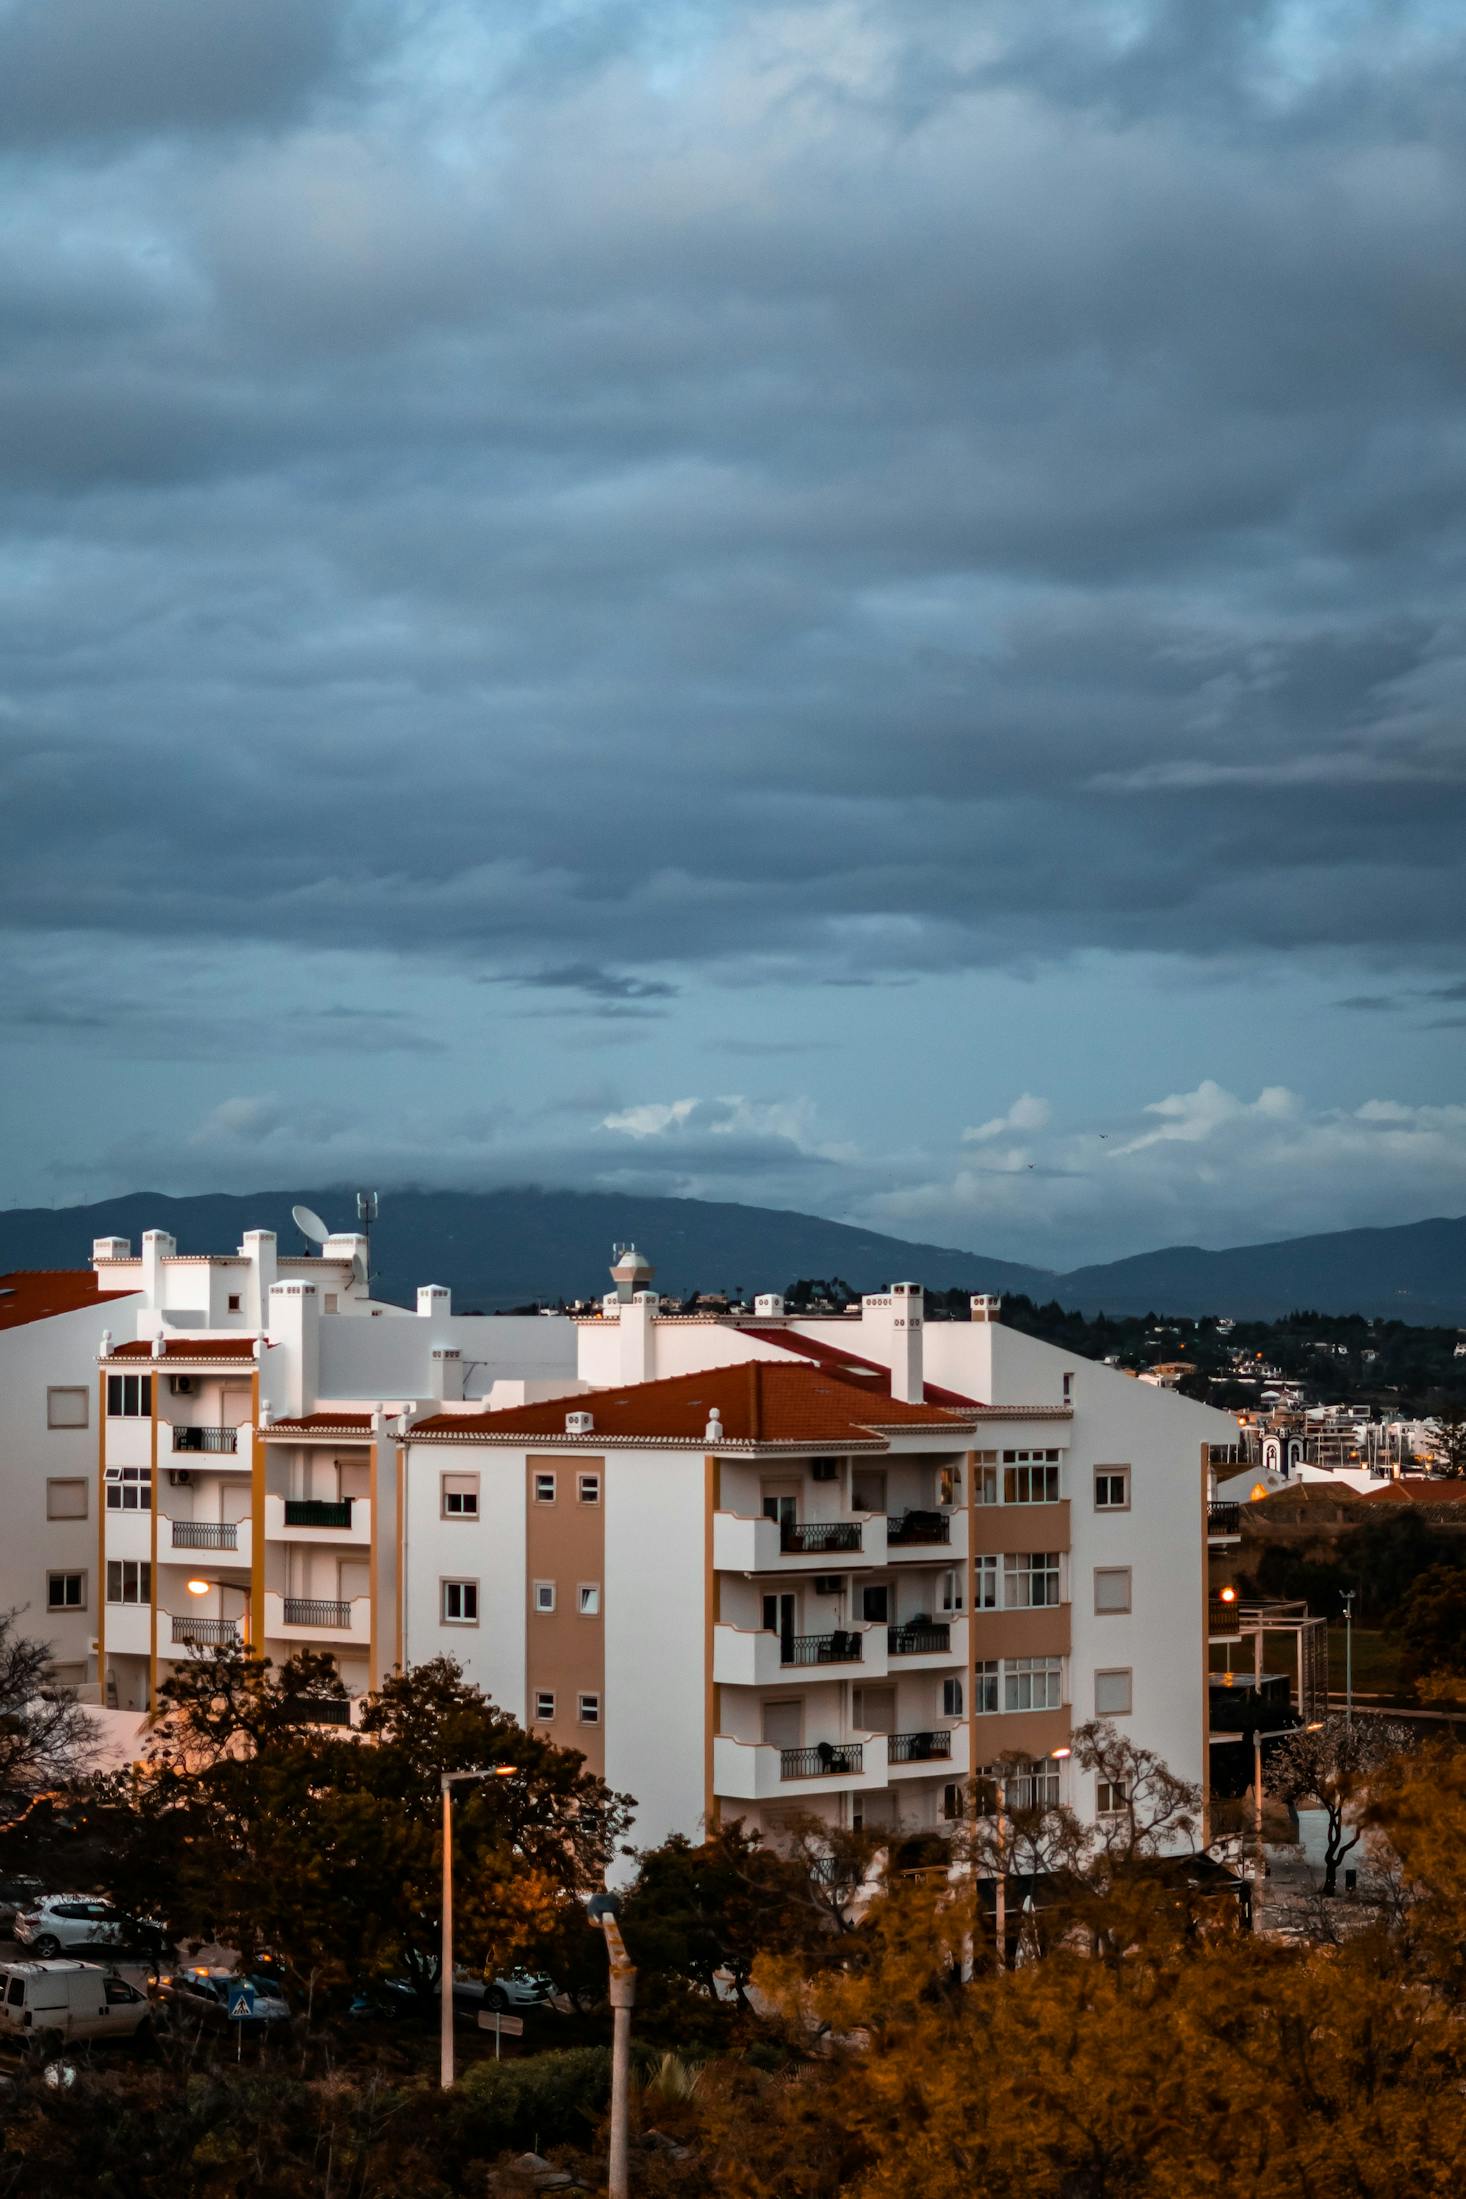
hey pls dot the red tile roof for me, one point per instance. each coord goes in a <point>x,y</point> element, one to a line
<point>189,1347</point>
<point>321,1424</point>
<point>760,1403</point>
<point>1419,1489</point>
<point>837,1358</point>
<point>38,1294</point>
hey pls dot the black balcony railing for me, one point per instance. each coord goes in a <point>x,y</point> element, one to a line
<point>828,1759</point>
<point>918,1641</point>
<point>843,1647</point>
<point>205,1534</point>
<point>918,1748</point>
<point>815,1536</point>
<point>323,1711</point>
<point>1221,1616</point>
<point>316,1611</point>
<point>1224,1519</point>
<point>207,1633</point>
<point>313,1512</point>
<point>206,1439</point>
<point>919,1527</point>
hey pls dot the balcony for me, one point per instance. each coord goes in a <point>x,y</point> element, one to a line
<point>818,1537</point>
<point>205,1439</point>
<point>759,1771</point>
<point>1223,1521</point>
<point>205,1534</point>
<point>192,1633</point>
<point>312,1512</point>
<point>750,1657</point>
<point>931,1747</point>
<point>742,1544</point>
<point>923,1640</point>
<point>341,1618</point>
<point>919,1530</point>
<point>315,1611</point>
<point>316,1519</point>
<point>324,1711</point>
<point>840,1647</point>
<point>1221,1618</point>
<point>827,1760</point>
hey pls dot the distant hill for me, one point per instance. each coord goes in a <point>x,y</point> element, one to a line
<point>501,1248</point>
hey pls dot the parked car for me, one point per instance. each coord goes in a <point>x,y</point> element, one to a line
<point>17,1894</point>
<point>69,2000</point>
<point>399,1997</point>
<point>58,1921</point>
<point>226,1998</point>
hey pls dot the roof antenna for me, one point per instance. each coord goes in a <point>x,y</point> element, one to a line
<point>367,1208</point>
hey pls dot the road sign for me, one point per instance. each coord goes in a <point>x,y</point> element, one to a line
<point>510,2027</point>
<point>241,1999</point>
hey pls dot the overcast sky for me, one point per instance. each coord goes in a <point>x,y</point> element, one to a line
<point>853,605</point>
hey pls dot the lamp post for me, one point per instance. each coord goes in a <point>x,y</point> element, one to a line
<point>448,1780</point>
<point>623,1998</point>
<point>1349,1595</point>
<point>1000,1889</point>
<point>200,1587</point>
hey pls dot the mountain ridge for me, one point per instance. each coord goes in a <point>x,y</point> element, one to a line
<point>499,1248</point>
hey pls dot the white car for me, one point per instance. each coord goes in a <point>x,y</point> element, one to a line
<point>69,2000</point>
<point>59,1921</point>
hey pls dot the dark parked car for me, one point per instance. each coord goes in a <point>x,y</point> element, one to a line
<point>223,1998</point>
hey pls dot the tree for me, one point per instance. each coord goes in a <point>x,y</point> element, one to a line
<point>45,1735</point>
<point>1450,1421</point>
<point>1335,1766</point>
<point>1432,1622</point>
<point>251,1825</point>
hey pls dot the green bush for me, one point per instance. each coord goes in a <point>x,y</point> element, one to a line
<point>553,2099</point>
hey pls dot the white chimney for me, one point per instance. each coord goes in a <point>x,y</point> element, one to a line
<point>104,1344</point>
<point>579,1423</point>
<point>769,1305</point>
<point>985,1308</point>
<point>907,1317</point>
<point>111,1248</point>
<point>713,1432</point>
<point>158,1246</point>
<point>448,1376</point>
<point>433,1299</point>
<point>638,1353</point>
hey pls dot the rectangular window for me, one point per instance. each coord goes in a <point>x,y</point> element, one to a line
<point>544,1488</point>
<point>1033,1683</point>
<point>66,1408</point>
<point>1112,1488</point>
<point>1112,1588</point>
<point>332,1302</point>
<point>951,1698</point>
<point>1112,1694</point>
<point>1111,1797</point>
<point>129,1580</point>
<point>1032,1786</point>
<point>952,1589</point>
<point>985,1477</point>
<point>460,1603</point>
<point>1030,1579</point>
<point>1031,1484</point>
<point>985,1687</point>
<point>544,1706</point>
<point>460,1496</point>
<point>129,1396</point>
<point>954,1801</point>
<point>590,1710</point>
<point>129,1488</point>
<point>589,1599</point>
<point>234,1301</point>
<point>985,1584</point>
<point>544,1595</point>
<point>66,1591</point>
<point>588,1488</point>
<point>66,1500</point>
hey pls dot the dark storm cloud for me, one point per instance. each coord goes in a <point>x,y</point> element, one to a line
<point>883,503</point>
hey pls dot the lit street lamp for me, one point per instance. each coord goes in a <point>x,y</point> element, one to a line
<point>206,1588</point>
<point>448,1780</point>
<point>1349,1595</point>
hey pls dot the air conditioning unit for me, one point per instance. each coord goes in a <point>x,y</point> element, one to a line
<point>179,1477</point>
<point>825,1469</point>
<point>181,1384</point>
<point>829,1584</point>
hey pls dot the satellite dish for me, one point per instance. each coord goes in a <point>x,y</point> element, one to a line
<point>309,1223</point>
<point>358,1271</point>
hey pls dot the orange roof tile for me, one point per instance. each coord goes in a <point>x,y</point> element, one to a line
<point>190,1347</point>
<point>1420,1489</point>
<point>321,1424</point>
<point>38,1294</point>
<point>837,1358</point>
<point>759,1403</point>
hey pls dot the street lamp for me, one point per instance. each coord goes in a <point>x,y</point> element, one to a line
<point>1000,1891</point>
<point>1349,1595</point>
<point>199,1587</point>
<point>448,1780</point>
<point>623,1997</point>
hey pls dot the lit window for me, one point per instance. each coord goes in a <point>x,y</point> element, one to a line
<point>66,1408</point>
<point>544,1595</point>
<point>590,1710</point>
<point>544,1488</point>
<point>1112,1694</point>
<point>66,1591</point>
<point>544,1706</point>
<point>1112,1488</point>
<point>1112,1588</point>
<point>460,1496</point>
<point>460,1603</point>
<point>589,1594</point>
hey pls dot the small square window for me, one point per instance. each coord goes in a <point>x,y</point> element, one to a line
<point>544,1488</point>
<point>1112,1694</point>
<point>589,1594</point>
<point>66,1499</point>
<point>234,1301</point>
<point>460,1603</point>
<point>590,1710</point>
<point>66,1408</point>
<point>66,1591</point>
<point>1112,1488</point>
<point>544,1706</point>
<point>1112,1588</point>
<point>544,1595</point>
<point>459,1496</point>
<point>1111,1797</point>
<point>588,1488</point>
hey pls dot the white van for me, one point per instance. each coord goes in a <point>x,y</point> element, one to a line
<point>68,2000</point>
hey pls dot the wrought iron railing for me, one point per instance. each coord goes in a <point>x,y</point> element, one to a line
<point>322,1711</point>
<point>816,1535</point>
<point>918,1748</point>
<point>316,1611</point>
<point>828,1759</point>
<point>205,1534</point>
<point>842,1647</point>
<point>919,1527</point>
<point>205,1439</point>
<point>918,1641</point>
<point>314,1512</point>
<point>1221,1615</point>
<point>207,1633</point>
<point>1224,1519</point>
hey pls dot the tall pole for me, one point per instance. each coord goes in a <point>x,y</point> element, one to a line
<point>1000,1891</point>
<point>623,1998</point>
<point>1258,1862</point>
<point>1349,1656</point>
<point>445,1959</point>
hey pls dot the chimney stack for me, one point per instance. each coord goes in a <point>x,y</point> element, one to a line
<point>907,1319</point>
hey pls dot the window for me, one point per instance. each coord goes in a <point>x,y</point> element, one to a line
<point>1068,1389</point>
<point>949,1485</point>
<point>985,1687</point>
<point>588,1488</point>
<point>66,1408</point>
<point>954,1801</point>
<point>952,1586</point>
<point>544,1488</point>
<point>590,1710</point>
<point>1030,1578</point>
<point>66,1591</point>
<point>985,1584</point>
<point>1030,1482</point>
<point>1033,1683</point>
<point>1112,1488</point>
<point>66,1500</point>
<point>1112,1693</point>
<point>1033,1786</point>
<point>460,1603</point>
<point>984,1477</point>
<point>129,1488</point>
<point>332,1301</point>
<point>544,1706</point>
<point>1112,1798</point>
<point>951,1698</point>
<point>234,1301</point>
<point>588,1599</point>
<point>460,1496</point>
<point>544,1595</point>
<point>129,1396</point>
<point>1112,1588</point>
<point>129,1580</point>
